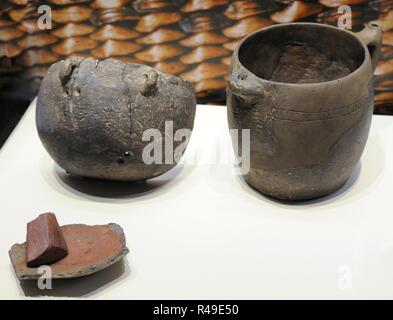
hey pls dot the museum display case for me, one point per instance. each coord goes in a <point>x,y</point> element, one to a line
<point>196,149</point>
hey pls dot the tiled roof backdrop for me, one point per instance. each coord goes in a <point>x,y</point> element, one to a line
<point>191,38</point>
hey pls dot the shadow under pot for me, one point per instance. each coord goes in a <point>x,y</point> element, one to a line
<point>115,121</point>
<point>305,91</point>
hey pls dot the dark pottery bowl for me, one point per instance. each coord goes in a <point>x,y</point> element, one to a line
<point>97,118</point>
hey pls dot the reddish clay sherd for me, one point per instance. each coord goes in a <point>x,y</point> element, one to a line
<point>45,243</point>
<point>90,249</point>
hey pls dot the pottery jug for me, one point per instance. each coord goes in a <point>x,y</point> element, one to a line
<point>305,91</point>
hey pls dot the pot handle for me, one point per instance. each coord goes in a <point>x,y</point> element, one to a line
<point>371,35</point>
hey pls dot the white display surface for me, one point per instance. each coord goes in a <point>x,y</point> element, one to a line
<point>200,232</point>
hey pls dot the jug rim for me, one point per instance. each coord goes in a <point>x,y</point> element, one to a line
<point>366,59</point>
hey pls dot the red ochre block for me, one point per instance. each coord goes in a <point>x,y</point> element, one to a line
<point>45,242</point>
